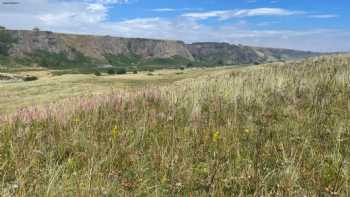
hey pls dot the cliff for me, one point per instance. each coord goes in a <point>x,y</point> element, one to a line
<point>58,50</point>
<point>95,47</point>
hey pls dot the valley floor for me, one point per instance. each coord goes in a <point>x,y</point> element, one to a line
<point>15,95</point>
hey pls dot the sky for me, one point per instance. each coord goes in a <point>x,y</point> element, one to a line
<point>314,25</point>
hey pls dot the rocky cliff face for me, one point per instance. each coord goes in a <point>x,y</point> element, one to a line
<point>94,46</point>
<point>98,47</point>
<point>224,53</point>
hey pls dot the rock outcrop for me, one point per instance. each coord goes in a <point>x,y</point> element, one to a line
<point>98,47</point>
<point>95,47</point>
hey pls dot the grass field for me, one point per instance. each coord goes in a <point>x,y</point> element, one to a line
<point>49,88</point>
<point>272,130</point>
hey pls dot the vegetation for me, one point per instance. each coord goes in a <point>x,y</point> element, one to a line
<point>121,71</point>
<point>111,71</point>
<point>55,85</point>
<point>132,60</point>
<point>6,40</point>
<point>274,130</point>
<point>59,60</point>
<point>30,78</point>
<point>123,60</point>
<point>97,73</point>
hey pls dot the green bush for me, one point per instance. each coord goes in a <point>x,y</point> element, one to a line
<point>123,60</point>
<point>111,71</point>
<point>134,72</point>
<point>97,73</point>
<point>59,60</point>
<point>30,78</point>
<point>121,71</point>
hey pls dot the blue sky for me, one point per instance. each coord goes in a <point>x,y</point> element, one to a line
<point>317,25</point>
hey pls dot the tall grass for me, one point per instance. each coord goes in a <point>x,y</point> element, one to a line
<point>279,130</point>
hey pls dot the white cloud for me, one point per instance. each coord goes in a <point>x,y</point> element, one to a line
<point>96,7</point>
<point>164,10</point>
<point>228,14</point>
<point>324,16</point>
<point>109,1</point>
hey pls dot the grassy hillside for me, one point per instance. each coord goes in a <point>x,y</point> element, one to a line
<point>279,130</point>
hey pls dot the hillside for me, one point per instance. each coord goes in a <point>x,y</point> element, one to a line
<point>56,50</point>
<point>280,129</point>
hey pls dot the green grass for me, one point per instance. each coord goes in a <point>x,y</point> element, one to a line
<point>274,130</point>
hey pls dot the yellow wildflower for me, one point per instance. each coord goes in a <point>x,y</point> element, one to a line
<point>247,130</point>
<point>164,179</point>
<point>216,136</point>
<point>115,132</point>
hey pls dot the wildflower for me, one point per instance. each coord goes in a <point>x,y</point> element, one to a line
<point>115,132</point>
<point>216,136</point>
<point>247,130</point>
<point>71,163</point>
<point>76,120</point>
<point>164,179</point>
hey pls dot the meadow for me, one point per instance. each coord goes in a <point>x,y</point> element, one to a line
<point>52,88</point>
<point>281,129</point>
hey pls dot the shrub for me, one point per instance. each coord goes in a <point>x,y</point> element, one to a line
<point>97,73</point>
<point>111,71</point>
<point>121,71</point>
<point>30,78</point>
<point>190,64</point>
<point>134,72</point>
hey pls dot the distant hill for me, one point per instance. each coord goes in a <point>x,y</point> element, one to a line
<point>224,53</point>
<point>57,50</point>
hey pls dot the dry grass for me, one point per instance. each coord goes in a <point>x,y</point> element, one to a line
<point>19,94</point>
<point>278,130</point>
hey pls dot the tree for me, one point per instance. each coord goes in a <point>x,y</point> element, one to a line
<point>111,71</point>
<point>2,28</point>
<point>97,73</point>
<point>121,71</point>
<point>190,64</point>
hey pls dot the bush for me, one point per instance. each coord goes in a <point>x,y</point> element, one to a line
<point>30,78</point>
<point>121,71</point>
<point>190,64</point>
<point>134,72</point>
<point>111,72</point>
<point>97,73</point>
<point>182,68</point>
<point>221,62</point>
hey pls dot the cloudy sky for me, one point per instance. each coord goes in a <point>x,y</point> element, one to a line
<point>317,25</point>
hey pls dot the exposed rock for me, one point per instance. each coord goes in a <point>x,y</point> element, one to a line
<point>97,47</point>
